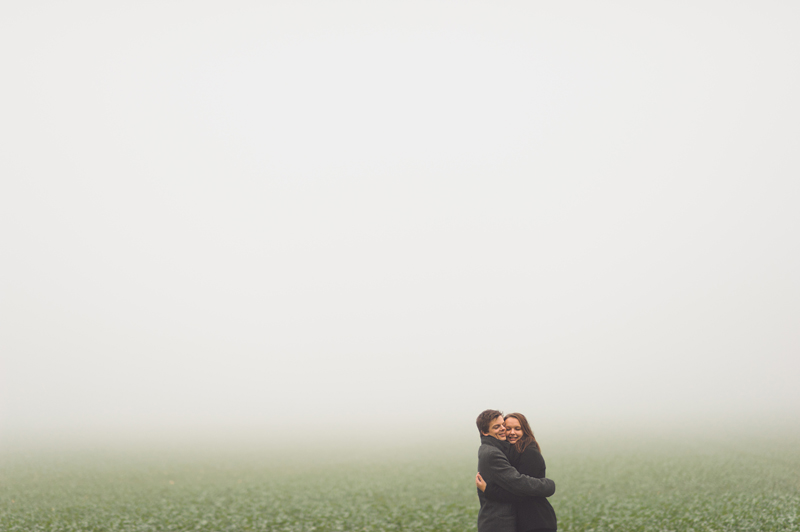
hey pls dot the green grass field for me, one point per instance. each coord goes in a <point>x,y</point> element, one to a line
<point>702,486</point>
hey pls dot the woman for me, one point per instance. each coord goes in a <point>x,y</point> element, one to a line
<point>534,514</point>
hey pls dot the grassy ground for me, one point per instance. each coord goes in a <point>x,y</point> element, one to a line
<point>602,487</point>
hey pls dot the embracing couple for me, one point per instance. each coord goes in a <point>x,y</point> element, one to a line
<point>511,484</point>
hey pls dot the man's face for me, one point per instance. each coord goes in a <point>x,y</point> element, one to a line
<point>497,429</point>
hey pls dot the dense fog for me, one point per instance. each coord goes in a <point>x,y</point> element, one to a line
<point>371,221</point>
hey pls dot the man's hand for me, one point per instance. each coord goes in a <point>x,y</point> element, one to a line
<point>480,482</point>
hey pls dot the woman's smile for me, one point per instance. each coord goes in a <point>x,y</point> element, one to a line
<point>513,430</point>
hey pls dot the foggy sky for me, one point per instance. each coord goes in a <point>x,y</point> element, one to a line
<point>231,216</point>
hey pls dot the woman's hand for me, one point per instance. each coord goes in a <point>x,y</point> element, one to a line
<point>480,482</point>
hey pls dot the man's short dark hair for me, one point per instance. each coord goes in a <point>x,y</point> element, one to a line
<point>485,419</point>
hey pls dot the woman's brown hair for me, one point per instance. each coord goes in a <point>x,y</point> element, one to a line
<point>527,434</point>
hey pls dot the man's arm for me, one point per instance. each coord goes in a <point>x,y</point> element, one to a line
<point>494,492</point>
<point>495,468</point>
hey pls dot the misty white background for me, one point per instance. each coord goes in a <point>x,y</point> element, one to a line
<point>369,217</point>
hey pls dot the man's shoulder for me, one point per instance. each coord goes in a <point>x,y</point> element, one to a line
<point>486,448</point>
<point>490,451</point>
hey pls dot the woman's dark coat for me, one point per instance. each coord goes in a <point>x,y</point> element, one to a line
<point>533,513</point>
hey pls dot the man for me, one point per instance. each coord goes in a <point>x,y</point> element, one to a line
<point>493,465</point>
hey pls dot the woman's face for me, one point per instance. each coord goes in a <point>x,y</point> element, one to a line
<point>513,430</point>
